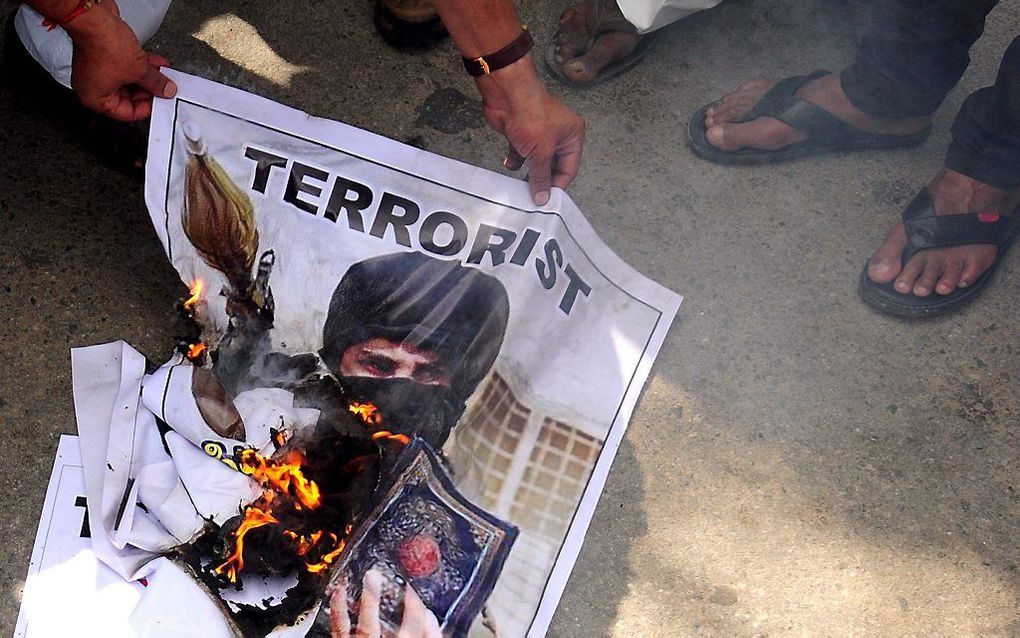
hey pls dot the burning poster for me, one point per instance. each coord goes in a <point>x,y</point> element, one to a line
<point>399,390</point>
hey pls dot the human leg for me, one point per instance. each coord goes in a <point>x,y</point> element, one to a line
<point>912,53</point>
<point>981,177</point>
<point>598,39</point>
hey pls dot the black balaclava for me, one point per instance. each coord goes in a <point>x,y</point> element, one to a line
<point>457,312</point>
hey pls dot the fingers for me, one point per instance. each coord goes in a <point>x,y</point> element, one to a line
<point>339,621</point>
<point>156,83</point>
<point>514,160</point>
<point>121,106</point>
<point>567,166</point>
<point>418,621</point>
<point>157,60</point>
<point>540,177</point>
<point>371,596</point>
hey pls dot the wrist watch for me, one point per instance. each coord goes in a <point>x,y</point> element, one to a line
<point>506,56</point>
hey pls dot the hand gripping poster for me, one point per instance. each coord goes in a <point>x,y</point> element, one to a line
<point>402,391</point>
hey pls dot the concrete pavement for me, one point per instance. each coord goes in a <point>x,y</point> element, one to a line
<point>798,465</point>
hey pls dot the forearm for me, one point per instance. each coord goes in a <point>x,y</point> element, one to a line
<point>515,102</point>
<point>95,21</point>
<point>479,27</point>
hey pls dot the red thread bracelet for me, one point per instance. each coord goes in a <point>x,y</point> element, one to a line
<point>83,6</point>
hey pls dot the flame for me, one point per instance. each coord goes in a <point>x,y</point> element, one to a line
<point>385,435</point>
<point>368,412</point>
<point>196,295</point>
<point>253,518</point>
<point>328,558</point>
<point>195,350</point>
<point>284,476</point>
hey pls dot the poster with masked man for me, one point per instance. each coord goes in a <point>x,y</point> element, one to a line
<point>404,391</point>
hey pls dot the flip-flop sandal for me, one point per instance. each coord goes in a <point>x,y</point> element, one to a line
<point>608,18</point>
<point>926,230</point>
<point>826,133</point>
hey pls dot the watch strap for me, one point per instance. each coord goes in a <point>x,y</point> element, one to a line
<point>486,64</point>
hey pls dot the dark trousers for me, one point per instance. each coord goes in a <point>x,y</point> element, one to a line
<point>913,52</point>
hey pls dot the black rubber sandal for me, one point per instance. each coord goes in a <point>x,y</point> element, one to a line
<point>926,230</point>
<point>826,132</point>
<point>608,18</point>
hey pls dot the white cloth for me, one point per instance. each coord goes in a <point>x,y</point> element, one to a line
<point>52,49</point>
<point>649,15</point>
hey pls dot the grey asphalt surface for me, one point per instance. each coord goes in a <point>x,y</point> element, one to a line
<point>798,465</point>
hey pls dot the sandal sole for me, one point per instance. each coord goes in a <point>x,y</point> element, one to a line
<point>885,299</point>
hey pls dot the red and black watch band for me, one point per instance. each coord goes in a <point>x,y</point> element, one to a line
<point>506,56</point>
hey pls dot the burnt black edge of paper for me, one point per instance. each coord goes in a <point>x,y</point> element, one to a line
<point>580,248</point>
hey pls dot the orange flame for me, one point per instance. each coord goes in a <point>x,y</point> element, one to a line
<point>253,518</point>
<point>195,351</point>
<point>389,436</point>
<point>196,295</point>
<point>368,412</point>
<point>328,558</point>
<point>284,476</point>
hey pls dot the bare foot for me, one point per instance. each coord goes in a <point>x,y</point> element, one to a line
<point>580,57</point>
<point>726,132</point>
<point>943,270</point>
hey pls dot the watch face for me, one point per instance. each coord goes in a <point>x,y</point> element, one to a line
<point>422,533</point>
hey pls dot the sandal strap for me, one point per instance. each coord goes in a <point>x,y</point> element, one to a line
<point>927,230</point>
<point>819,125</point>
<point>779,97</point>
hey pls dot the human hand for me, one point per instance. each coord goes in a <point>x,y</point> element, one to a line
<point>539,128</point>
<point>110,71</point>
<point>417,621</point>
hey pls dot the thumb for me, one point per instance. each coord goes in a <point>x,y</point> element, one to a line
<point>540,177</point>
<point>156,83</point>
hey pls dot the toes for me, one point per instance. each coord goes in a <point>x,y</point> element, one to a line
<point>573,37</point>
<point>755,86</point>
<point>908,276</point>
<point>950,278</point>
<point>933,269</point>
<point>731,111</point>
<point>975,264</point>
<point>568,14</point>
<point>941,271</point>
<point>765,133</point>
<point>606,49</point>
<point>970,273</point>
<point>885,264</point>
<point>735,105</point>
